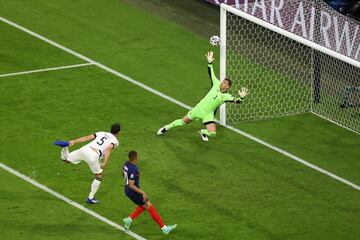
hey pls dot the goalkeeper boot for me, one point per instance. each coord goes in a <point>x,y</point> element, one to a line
<point>162,130</point>
<point>204,137</point>
<point>167,229</point>
<point>61,143</point>
<point>127,222</point>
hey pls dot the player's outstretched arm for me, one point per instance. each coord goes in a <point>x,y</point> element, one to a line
<point>210,59</point>
<point>82,139</point>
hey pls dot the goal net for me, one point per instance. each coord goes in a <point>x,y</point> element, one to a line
<point>295,57</point>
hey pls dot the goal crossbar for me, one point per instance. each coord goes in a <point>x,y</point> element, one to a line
<point>226,69</point>
<point>285,33</point>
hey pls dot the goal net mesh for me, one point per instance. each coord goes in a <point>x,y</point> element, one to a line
<point>286,77</point>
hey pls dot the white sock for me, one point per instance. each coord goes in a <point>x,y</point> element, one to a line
<point>94,187</point>
<point>64,153</point>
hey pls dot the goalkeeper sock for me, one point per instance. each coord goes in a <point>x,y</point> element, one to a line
<point>176,123</point>
<point>207,133</point>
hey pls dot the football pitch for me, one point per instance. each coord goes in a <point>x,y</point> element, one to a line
<point>70,68</point>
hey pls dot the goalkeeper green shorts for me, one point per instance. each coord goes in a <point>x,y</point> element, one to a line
<point>198,114</point>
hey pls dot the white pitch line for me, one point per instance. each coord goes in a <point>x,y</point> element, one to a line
<point>129,79</point>
<point>310,165</point>
<point>46,69</point>
<point>69,201</point>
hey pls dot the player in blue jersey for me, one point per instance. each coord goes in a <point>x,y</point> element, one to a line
<point>139,197</point>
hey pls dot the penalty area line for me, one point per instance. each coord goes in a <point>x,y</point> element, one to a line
<point>69,201</point>
<point>173,100</point>
<point>46,69</point>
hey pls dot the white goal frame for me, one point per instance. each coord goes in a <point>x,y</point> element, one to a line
<point>224,8</point>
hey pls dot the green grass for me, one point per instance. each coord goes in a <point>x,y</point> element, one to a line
<point>31,213</point>
<point>229,188</point>
<point>17,53</point>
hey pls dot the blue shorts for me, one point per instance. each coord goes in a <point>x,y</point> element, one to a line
<point>137,198</point>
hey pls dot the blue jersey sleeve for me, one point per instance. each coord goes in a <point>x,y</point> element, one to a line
<point>132,173</point>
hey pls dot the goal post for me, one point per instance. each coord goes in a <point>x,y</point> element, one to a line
<point>223,59</point>
<point>286,74</point>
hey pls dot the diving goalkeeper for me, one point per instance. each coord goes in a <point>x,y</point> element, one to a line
<point>205,109</point>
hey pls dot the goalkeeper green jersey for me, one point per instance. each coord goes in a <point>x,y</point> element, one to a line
<point>214,98</point>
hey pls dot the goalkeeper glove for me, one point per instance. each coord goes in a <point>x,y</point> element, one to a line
<point>210,57</point>
<point>243,92</point>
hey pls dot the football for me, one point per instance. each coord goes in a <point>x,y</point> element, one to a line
<point>215,40</point>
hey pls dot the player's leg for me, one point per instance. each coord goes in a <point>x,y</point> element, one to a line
<point>74,157</point>
<point>95,185</point>
<point>179,122</point>
<point>135,214</point>
<point>65,154</point>
<point>64,149</point>
<point>145,205</point>
<point>92,159</point>
<point>210,130</point>
<point>139,201</point>
<point>176,123</point>
<point>157,218</point>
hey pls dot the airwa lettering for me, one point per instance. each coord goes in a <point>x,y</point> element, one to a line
<point>331,30</point>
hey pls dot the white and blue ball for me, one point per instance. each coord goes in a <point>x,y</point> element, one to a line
<point>215,40</point>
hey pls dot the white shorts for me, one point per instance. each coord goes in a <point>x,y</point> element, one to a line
<point>87,155</point>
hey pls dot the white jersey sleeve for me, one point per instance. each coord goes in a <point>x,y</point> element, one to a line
<point>102,141</point>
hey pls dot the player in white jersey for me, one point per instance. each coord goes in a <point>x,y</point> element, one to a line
<point>100,147</point>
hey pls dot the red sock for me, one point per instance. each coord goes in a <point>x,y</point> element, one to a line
<point>154,214</point>
<point>137,212</point>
